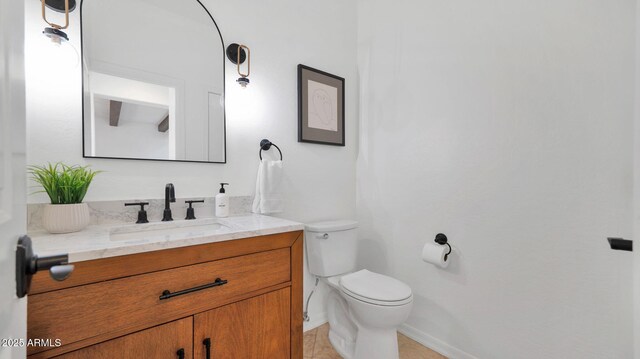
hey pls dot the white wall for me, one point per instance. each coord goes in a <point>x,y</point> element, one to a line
<point>508,126</point>
<point>636,193</point>
<point>320,180</point>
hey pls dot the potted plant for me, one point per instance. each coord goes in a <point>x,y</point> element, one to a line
<point>66,187</point>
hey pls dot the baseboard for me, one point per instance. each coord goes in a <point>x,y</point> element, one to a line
<point>434,343</point>
<point>316,321</point>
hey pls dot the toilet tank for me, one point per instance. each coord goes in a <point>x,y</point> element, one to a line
<point>331,247</point>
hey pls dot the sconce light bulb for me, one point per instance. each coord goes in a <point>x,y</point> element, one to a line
<point>60,52</point>
<point>56,36</point>
<point>243,81</point>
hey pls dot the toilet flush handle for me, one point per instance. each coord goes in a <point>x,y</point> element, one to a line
<point>324,236</point>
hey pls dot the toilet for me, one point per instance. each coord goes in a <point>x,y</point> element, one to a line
<point>364,308</point>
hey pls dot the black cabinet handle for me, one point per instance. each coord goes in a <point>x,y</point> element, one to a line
<point>207,348</point>
<point>166,294</point>
<point>180,353</point>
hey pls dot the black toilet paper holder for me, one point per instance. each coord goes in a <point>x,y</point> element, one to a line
<point>442,239</point>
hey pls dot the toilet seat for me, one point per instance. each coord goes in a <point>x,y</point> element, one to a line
<point>374,288</point>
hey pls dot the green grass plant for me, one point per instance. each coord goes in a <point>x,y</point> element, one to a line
<point>63,184</point>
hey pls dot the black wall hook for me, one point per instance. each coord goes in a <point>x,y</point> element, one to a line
<point>442,239</point>
<point>621,244</point>
<point>265,145</point>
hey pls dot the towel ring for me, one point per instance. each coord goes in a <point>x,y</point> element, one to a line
<point>265,145</point>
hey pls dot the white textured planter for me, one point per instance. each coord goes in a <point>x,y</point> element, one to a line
<point>65,218</point>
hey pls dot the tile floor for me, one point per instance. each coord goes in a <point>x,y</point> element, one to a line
<point>317,346</point>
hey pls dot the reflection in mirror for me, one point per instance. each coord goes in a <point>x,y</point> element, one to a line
<point>153,74</point>
<point>133,129</point>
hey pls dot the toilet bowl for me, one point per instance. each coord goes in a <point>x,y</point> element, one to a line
<point>364,316</point>
<point>364,308</point>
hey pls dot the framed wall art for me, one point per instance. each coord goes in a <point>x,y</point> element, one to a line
<point>320,107</point>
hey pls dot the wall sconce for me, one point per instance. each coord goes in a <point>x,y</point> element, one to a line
<point>237,54</point>
<point>54,31</point>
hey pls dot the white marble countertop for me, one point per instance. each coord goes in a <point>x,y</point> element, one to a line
<point>102,241</point>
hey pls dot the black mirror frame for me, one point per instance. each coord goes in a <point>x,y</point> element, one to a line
<point>224,93</point>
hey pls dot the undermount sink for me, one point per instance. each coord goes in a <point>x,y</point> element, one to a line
<point>165,230</point>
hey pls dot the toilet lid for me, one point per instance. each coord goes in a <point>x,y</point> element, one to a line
<point>370,286</point>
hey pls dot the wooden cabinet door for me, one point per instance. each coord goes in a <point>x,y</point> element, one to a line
<point>163,341</point>
<point>254,328</point>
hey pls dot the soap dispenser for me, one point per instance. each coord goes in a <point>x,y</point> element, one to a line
<point>222,202</point>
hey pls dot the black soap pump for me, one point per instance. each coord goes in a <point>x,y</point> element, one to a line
<point>222,202</point>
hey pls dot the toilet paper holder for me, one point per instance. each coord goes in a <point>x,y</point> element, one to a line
<point>442,239</point>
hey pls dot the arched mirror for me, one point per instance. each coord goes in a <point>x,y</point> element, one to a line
<point>153,81</point>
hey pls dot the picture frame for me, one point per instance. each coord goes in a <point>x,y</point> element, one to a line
<point>321,103</point>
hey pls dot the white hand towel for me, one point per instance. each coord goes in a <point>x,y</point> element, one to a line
<point>268,197</point>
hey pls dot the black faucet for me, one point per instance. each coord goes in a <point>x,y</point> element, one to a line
<point>142,214</point>
<point>191,213</point>
<point>169,196</point>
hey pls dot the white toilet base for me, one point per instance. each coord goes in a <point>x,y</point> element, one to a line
<point>353,340</point>
<point>342,331</point>
<point>376,344</point>
<point>341,345</point>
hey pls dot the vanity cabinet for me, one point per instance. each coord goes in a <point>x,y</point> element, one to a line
<point>170,340</point>
<point>234,299</point>
<point>253,328</point>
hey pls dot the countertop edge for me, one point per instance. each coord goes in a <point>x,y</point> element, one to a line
<point>79,245</point>
<point>158,246</point>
